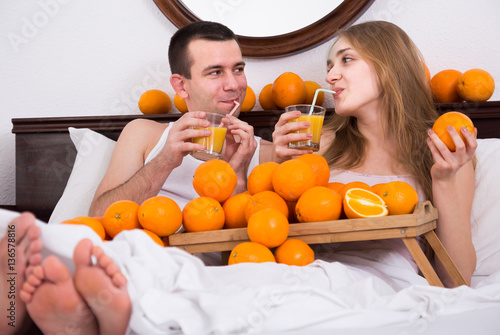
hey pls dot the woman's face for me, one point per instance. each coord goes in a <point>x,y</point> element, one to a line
<point>354,81</point>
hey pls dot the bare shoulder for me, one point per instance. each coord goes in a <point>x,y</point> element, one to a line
<point>143,130</point>
<point>144,126</point>
<point>141,134</point>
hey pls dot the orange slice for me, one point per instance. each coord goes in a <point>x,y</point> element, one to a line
<point>361,203</point>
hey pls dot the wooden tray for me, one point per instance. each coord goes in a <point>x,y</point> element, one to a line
<point>407,227</point>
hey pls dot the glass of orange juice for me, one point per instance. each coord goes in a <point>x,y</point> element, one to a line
<point>215,141</point>
<point>315,118</point>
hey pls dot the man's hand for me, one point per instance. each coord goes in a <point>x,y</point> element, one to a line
<point>179,142</point>
<point>240,148</point>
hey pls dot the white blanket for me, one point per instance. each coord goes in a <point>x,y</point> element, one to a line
<point>173,292</point>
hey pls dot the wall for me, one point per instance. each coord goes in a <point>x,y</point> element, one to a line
<point>73,58</point>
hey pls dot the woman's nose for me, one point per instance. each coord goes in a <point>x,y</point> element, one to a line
<point>332,76</point>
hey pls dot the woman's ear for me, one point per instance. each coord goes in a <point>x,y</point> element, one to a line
<point>179,85</point>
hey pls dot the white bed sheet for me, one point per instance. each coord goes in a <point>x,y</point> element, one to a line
<point>173,291</point>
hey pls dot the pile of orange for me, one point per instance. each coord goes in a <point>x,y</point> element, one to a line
<point>157,216</point>
<point>268,228</point>
<point>449,86</point>
<point>289,89</point>
<point>295,190</point>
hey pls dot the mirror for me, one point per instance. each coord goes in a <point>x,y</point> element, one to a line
<point>265,41</point>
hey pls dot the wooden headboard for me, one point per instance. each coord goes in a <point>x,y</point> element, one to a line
<point>45,152</point>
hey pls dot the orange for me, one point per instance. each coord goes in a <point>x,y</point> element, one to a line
<point>202,214</point>
<point>288,89</point>
<point>161,215</point>
<point>265,199</point>
<point>319,203</point>
<point>249,101</point>
<point>266,98</point>
<point>320,167</point>
<point>121,215</point>
<point>476,85</point>
<point>261,178</point>
<point>268,227</point>
<point>215,179</point>
<point>154,237</point>
<point>250,252</point>
<point>336,186</point>
<point>399,197</point>
<point>180,104</point>
<point>155,102</point>
<point>375,188</point>
<point>93,223</point>
<point>311,88</point>
<point>292,178</point>
<point>294,252</point>
<point>361,203</point>
<point>444,86</point>
<point>353,184</point>
<point>234,210</point>
<point>455,119</point>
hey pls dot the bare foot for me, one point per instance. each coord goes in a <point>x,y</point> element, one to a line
<point>103,287</point>
<point>53,302</point>
<point>19,247</point>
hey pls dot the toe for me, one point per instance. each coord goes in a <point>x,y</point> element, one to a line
<point>83,252</point>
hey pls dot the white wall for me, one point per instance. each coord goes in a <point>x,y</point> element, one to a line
<point>74,58</point>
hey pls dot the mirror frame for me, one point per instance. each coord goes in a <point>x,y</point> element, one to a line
<point>279,45</point>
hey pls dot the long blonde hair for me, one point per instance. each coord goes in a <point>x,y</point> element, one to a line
<point>406,100</point>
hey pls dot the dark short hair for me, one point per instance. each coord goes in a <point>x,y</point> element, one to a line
<point>178,56</point>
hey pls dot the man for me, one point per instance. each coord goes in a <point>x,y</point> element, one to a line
<point>151,158</point>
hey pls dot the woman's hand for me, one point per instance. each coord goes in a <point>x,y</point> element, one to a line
<point>446,162</point>
<point>284,134</point>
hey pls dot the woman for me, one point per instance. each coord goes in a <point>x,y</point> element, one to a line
<point>383,115</point>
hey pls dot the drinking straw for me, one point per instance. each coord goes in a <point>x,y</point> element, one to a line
<point>316,96</point>
<point>236,105</point>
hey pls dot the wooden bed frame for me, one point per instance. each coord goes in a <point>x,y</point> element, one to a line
<point>45,152</point>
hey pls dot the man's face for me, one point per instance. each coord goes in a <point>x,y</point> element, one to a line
<point>217,76</point>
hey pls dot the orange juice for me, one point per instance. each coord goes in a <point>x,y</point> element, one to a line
<point>213,143</point>
<point>316,124</point>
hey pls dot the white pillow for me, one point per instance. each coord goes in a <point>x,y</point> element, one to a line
<point>485,216</point>
<point>93,154</point>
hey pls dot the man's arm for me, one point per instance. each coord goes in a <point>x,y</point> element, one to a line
<point>128,178</point>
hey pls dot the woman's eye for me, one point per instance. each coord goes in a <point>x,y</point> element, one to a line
<point>346,59</point>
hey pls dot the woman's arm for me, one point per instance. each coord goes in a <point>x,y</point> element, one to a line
<point>453,187</point>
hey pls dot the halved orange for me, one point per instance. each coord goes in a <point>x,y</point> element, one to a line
<point>361,203</point>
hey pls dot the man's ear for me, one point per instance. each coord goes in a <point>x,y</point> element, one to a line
<point>179,85</point>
